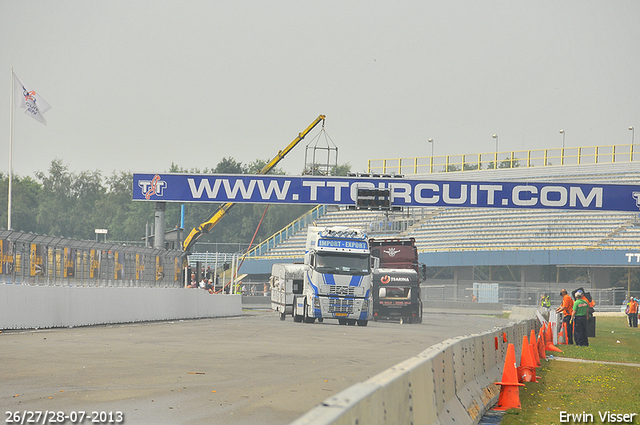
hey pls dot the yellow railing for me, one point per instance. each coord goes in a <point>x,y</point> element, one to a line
<point>508,159</point>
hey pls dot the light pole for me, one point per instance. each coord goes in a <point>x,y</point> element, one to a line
<point>562,152</point>
<point>495,159</point>
<point>432,143</point>
<point>633,134</point>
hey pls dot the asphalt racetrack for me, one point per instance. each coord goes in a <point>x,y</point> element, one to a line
<point>252,369</point>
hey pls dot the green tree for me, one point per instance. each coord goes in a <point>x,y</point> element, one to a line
<point>508,163</point>
<point>24,202</point>
<point>67,201</point>
<point>229,166</point>
<point>470,167</point>
<point>341,170</point>
<point>117,212</point>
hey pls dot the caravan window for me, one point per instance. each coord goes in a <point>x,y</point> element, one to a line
<point>297,286</point>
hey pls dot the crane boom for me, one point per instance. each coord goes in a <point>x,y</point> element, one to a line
<point>210,223</point>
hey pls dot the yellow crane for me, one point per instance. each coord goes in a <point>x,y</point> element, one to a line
<point>210,223</point>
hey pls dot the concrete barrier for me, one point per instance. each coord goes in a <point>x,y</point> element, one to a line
<point>449,383</point>
<point>26,307</point>
<point>468,307</point>
<point>254,301</point>
<point>522,313</point>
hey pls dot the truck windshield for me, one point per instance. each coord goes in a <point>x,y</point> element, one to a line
<point>339,263</point>
<point>394,292</point>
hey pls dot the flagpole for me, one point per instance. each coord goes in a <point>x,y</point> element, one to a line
<point>11,100</point>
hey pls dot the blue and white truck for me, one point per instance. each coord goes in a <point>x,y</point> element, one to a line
<point>334,282</point>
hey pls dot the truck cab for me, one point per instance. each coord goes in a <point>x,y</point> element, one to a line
<point>333,283</point>
<point>396,295</point>
<point>396,253</point>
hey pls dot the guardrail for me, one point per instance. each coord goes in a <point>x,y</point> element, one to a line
<point>505,159</point>
<point>29,259</point>
<point>449,383</point>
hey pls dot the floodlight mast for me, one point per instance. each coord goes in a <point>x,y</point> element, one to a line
<point>210,223</point>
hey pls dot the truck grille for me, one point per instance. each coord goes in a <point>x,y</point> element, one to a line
<point>342,290</point>
<point>341,306</point>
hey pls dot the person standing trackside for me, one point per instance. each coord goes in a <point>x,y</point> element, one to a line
<point>579,318</point>
<point>544,301</point>
<point>633,312</point>
<point>567,309</point>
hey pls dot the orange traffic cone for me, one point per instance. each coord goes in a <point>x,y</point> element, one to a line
<point>551,347</point>
<point>549,334</point>
<point>549,341</point>
<point>527,368</point>
<point>563,333</point>
<point>533,348</point>
<point>540,346</point>
<point>509,392</point>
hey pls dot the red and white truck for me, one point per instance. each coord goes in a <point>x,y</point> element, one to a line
<point>396,280</point>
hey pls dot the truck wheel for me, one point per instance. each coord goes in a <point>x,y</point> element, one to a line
<point>363,322</point>
<point>320,320</point>
<point>342,321</point>
<point>351,322</point>
<point>283,316</point>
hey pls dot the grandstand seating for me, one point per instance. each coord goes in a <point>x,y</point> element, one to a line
<point>478,229</point>
<point>295,244</point>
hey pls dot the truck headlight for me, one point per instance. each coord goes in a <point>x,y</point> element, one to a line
<point>365,305</point>
<point>316,302</point>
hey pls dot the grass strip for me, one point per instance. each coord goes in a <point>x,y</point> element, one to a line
<point>586,388</point>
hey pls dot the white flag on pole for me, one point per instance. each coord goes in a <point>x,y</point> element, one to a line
<point>28,99</point>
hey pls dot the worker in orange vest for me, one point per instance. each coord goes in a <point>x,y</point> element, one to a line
<point>633,312</point>
<point>566,308</point>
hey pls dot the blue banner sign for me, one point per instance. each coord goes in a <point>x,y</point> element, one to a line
<point>405,192</point>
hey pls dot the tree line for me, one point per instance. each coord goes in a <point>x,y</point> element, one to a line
<point>72,205</point>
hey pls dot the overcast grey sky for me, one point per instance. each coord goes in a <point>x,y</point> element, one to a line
<point>136,85</point>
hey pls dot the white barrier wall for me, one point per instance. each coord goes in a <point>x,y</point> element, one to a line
<point>449,383</point>
<point>25,307</point>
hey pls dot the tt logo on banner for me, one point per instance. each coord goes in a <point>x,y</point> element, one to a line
<point>152,187</point>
